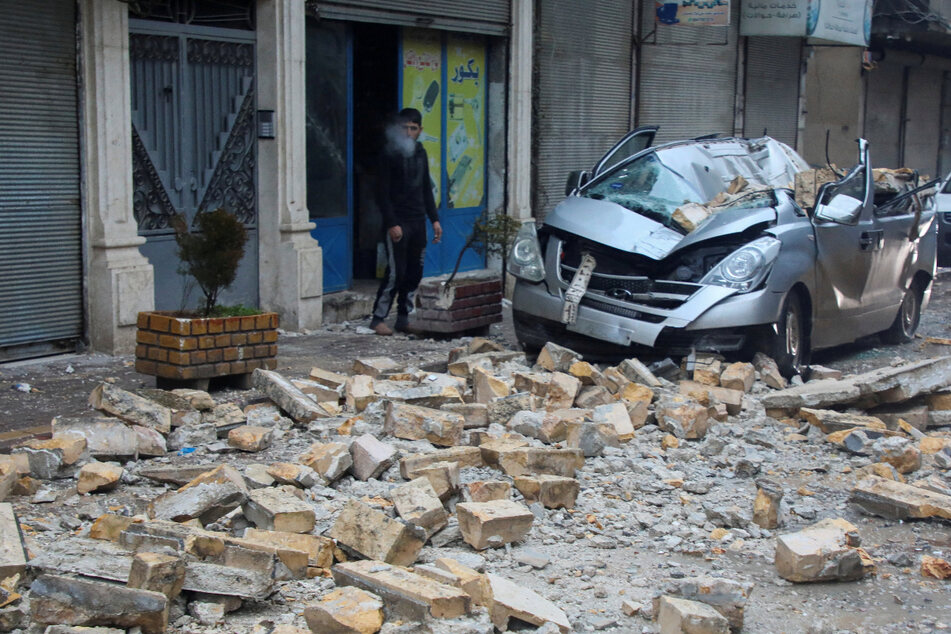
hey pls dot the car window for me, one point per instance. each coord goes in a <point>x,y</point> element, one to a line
<point>853,185</point>
<point>645,186</point>
<point>947,187</point>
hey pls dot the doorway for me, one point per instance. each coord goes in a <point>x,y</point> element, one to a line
<point>358,76</point>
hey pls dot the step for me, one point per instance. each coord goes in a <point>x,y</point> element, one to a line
<point>346,306</point>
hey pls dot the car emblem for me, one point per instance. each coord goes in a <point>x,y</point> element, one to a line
<point>621,293</point>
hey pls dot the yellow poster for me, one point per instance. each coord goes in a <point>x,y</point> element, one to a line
<point>422,89</point>
<point>465,120</point>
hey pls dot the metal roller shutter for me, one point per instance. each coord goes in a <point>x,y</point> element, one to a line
<point>40,216</point>
<point>772,87</point>
<point>583,88</point>
<point>687,77</point>
<point>884,97</point>
<point>491,17</point>
<point>923,120</point>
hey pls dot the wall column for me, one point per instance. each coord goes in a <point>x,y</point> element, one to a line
<point>291,261</point>
<point>520,111</point>
<point>120,282</point>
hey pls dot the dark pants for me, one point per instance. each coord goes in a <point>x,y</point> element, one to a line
<point>404,270</point>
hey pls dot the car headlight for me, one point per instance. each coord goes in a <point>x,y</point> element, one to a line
<point>525,259</point>
<point>746,267</point>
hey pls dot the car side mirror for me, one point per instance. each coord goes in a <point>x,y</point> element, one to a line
<point>842,209</point>
<point>576,180</point>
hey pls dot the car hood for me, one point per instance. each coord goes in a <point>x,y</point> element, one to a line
<point>614,226</point>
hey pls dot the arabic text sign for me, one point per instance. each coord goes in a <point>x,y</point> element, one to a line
<point>465,120</point>
<point>773,17</point>
<point>846,21</point>
<point>694,12</point>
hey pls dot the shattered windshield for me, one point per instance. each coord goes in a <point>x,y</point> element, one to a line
<point>645,186</point>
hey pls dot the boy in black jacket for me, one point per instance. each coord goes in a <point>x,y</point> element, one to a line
<point>405,200</point>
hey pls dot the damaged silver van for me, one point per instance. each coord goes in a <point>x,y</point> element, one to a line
<point>722,245</point>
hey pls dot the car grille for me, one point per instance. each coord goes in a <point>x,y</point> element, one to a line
<point>637,289</point>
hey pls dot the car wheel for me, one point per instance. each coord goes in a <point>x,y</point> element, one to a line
<point>906,321</point>
<point>787,341</point>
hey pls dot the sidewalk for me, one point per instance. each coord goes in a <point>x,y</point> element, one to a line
<point>60,386</point>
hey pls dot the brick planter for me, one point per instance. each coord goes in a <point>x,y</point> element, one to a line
<point>198,348</point>
<point>469,304</point>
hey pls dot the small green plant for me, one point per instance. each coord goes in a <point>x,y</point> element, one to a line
<point>491,235</point>
<point>211,253</point>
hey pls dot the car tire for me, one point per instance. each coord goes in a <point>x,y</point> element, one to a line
<point>906,321</point>
<point>787,341</point>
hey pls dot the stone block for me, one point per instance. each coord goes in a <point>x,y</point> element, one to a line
<point>295,403</point>
<point>554,426</point>
<point>485,386</point>
<point>532,382</point>
<point>8,479</point>
<point>587,373</point>
<point>250,438</point>
<point>444,478</point>
<point>293,474</point>
<point>617,416</point>
<point>493,524</point>
<point>738,376</point>
<point>406,595</point>
<point>555,358</point>
<point>767,505</point>
<point>12,550</point>
<point>896,500</point>
<point>475,415</point>
<point>463,456</point>
<point>192,436</point>
<point>551,491</point>
<point>591,438</point>
<point>494,447</point>
<point>899,452</point>
<point>489,490</point>
<point>327,378</point>
<point>157,572</point>
<point>319,549</point>
<point>500,410</point>
<point>509,600</point>
<point>96,477</point>
<point>423,423</point>
<point>707,369</point>
<point>726,596</point>
<point>59,600</point>
<point>592,396</point>
<point>318,392</point>
<point>733,399</point>
<point>528,460</point>
<point>769,371</point>
<point>682,417</point>
<point>199,399</point>
<point>131,407</point>
<point>179,475</point>
<point>417,502</point>
<point>346,610</point>
<point>635,371</point>
<point>370,457</point>
<point>830,421</point>
<point>331,460</point>
<point>224,417</point>
<point>562,390</point>
<point>676,616</point>
<point>71,448</point>
<point>376,367</point>
<point>358,392</point>
<point>150,443</point>
<point>471,581</point>
<point>277,509</point>
<point>108,526</point>
<point>374,535</point>
<point>207,497</point>
<point>827,551</point>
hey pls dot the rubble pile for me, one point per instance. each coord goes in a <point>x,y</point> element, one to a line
<point>561,495</point>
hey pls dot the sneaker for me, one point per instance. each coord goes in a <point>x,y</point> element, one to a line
<point>382,329</point>
<point>402,323</point>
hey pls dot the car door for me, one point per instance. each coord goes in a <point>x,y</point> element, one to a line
<point>633,142</point>
<point>847,241</point>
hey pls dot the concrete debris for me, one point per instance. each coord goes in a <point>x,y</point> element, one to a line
<point>552,472</point>
<point>405,594</point>
<point>827,551</point>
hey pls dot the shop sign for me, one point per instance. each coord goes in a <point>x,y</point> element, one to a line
<point>839,21</point>
<point>694,12</point>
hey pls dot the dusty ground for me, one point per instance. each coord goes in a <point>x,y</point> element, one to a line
<point>646,532</point>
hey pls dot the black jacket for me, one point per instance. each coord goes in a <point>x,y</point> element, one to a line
<point>405,190</point>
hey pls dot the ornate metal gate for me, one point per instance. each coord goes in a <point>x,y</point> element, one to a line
<point>193,144</point>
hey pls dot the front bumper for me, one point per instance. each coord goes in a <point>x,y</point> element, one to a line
<point>713,318</point>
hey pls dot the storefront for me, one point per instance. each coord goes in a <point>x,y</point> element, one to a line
<point>41,288</point>
<point>366,61</point>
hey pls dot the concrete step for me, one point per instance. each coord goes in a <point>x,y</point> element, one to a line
<point>347,306</point>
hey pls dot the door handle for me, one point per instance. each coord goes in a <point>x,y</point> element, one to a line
<point>872,240</point>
